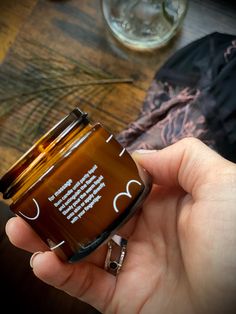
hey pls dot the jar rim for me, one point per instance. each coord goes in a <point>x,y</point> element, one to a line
<point>55,134</point>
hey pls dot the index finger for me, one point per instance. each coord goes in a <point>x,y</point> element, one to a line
<point>187,163</point>
<point>23,236</point>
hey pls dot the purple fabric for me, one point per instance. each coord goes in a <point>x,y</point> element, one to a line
<point>192,95</point>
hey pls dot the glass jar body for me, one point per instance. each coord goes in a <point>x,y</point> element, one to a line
<point>78,197</point>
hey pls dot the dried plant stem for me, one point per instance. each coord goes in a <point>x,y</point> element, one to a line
<point>90,82</point>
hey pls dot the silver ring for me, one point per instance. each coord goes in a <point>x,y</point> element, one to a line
<point>116,246</point>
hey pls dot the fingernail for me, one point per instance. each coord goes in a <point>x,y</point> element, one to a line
<point>33,257</point>
<point>145,151</point>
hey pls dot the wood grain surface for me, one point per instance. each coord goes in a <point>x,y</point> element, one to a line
<point>56,55</point>
<point>64,56</point>
<point>13,14</point>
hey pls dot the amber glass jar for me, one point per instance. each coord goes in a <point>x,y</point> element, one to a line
<point>75,186</point>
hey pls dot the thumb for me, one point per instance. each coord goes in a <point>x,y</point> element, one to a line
<point>187,163</point>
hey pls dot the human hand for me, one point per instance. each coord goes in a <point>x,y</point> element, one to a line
<point>181,253</point>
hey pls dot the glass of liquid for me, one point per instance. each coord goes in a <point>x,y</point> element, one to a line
<point>144,24</point>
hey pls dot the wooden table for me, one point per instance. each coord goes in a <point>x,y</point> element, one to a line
<point>57,55</point>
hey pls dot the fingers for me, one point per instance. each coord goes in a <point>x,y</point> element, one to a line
<point>82,280</point>
<point>23,236</point>
<point>86,280</point>
<point>187,163</point>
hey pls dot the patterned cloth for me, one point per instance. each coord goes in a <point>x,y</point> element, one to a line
<point>191,95</point>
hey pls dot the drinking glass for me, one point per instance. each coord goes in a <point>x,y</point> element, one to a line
<point>144,24</point>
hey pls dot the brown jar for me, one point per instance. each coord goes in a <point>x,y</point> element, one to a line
<point>75,186</point>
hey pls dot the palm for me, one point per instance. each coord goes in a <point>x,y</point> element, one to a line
<point>153,273</point>
<point>171,260</point>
